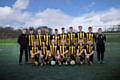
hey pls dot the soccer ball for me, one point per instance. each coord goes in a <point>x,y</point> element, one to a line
<point>72,62</point>
<point>53,62</point>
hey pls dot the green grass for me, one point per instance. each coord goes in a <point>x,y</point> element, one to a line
<point>113,37</point>
<point>10,70</point>
<point>8,41</point>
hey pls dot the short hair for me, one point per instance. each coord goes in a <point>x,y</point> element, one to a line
<point>89,27</point>
<point>31,28</point>
<point>71,27</point>
<point>62,28</point>
<point>38,28</point>
<point>56,29</point>
<point>99,28</point>
<point>24,29</point>
<point>79,26</point>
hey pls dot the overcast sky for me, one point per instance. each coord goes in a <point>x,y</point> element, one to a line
<point>59,13</point>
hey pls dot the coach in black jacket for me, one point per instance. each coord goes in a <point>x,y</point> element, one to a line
<point>100,45</point>
<point>22,40</point>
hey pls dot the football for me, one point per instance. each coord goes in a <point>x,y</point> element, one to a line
<point>53,63</point>
<point>72,62</point>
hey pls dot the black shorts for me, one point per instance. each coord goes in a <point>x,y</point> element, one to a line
<point>72,57</point>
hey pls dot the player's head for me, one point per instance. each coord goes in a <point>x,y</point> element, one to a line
<point>43,43</point>
<point>80,41</point>
<point>31,30</point>
<point>63,30</point>
<point>89,42</point>
<point>53,41</point>
<point>24,31</point>
<point>71,29</point>
<point>62,41</point>
<point>35,42</point>
<point>56,31</point>
<point>90,29</point>
<point>46,31</point>
<point>99,30</point>
<point>80,28</point>
<point>39,31</point>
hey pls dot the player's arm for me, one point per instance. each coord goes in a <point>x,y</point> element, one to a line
<point>58,53</point>
<point>32,54</point>
<point>66,51</point>
<point>85,50</point>
<point>81,51</point>
<point>77,52</point>
<point>91,53</point>
<point>38,52</point>
<point>48,51</point>
<point>41,55</point>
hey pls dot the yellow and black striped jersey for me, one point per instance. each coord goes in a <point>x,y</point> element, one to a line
<point>46,38</point>
<point>53,49</point>
<point>90,36</point>
<point>90,48</point>
<point>80,47</point>
<point>81,35</point>
<point>56,38</point>
<point>62,49</point>
<point>63,36</point>
<point>44,50</point>
<point>39,38</point>
<point>34,49</point>
<point>72,50</point>
<point>71,38</point>
<point>31,38</point>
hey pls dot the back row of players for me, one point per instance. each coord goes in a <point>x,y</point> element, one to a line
<point>64,48</point>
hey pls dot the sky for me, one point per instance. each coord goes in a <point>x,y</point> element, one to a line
<point>59,13</point>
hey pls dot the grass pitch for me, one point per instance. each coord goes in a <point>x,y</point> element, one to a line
<point>10,70</point>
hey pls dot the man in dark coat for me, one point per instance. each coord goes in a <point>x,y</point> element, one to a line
<point>100,45</point>
<point>22,41</point>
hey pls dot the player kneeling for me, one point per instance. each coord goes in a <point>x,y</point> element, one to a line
<point>63,49</point>
<point>58,58</point>
<point>89,52</point>
<point>35,53</point>
<point>44,54</point>
<point>80,52</point>
<point>54,51</point>
<point>72,54</point>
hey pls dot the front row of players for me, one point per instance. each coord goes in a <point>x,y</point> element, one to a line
<point>63,54</point>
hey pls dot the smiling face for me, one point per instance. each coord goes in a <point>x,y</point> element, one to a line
<point>71,29</point>
<point>35,42</point>
<point>90,29</point>
<point>31,31</point>
<point>23,31</point>
<point>63,30</point>
<point>43,43</point>
<point>99,30</point>
<point>39,31</point>
<point>53,42</point>
<point>56,31</point>
<point>62,41</point>
<point>80,28</point>
<point>80,41</point>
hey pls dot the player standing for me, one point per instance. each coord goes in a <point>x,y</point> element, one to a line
<point>22,40</point>
<point>100,45</point>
